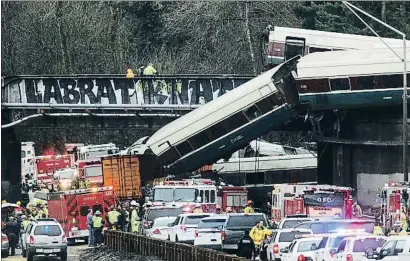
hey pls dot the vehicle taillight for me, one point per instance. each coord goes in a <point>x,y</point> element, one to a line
<point>183,228</point>
<point>301,258</point>
<point>349,257</point>
<point>31,240</point>
<point>196,233</point>
<point>156,231</point>
<point>64,239</point>
<point>4,239</point>
<point>275,249</point>
<point>223,236</point>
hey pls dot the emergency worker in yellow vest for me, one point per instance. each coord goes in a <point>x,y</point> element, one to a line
<point>378,230</point>
<point>112,218</point>
<point>98,223</point>
<point>150,70</point>
<point>249,209</point>
<point>25,222</point>
<point>135,219</point>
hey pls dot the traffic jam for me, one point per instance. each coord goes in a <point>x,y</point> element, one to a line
<point>79,195</point>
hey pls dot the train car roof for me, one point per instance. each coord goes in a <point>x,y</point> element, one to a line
<point>350,63</point>
<point>213,105</point>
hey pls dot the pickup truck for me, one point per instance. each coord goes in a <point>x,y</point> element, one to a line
<point>396,248</point>
<point>235,233</point>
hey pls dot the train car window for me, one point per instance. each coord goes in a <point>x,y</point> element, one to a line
<point>265,105</point>
<point>366,82</point>
<point>294,46</point>
<point>200,139</point>
<point>392,81</point>
<point>169,156</point>
<point>234,121</point>
<point>218,130</point>
<point>318,50</point>
<point>212,196</point>
<point>184,148</point>
<point>252,112</point>
<point>339,84</point>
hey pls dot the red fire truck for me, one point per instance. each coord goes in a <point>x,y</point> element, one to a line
<point>71,207</point>
<point>312,200</point>
<point>234,197</point>
<point>393,201</point>
<point>47,165</point>
<point>90,170</point>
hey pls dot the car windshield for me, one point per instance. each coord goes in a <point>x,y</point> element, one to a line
<point>211,223</point>
<point>194,220</point>
<point>93,171</point>
<point>66,174</point>
<point>293,222</point>
<point>163,212</point>
<point>163,222</point>
<point>47,230</point>
<point>335,242</point>
<point>307,245</point>
<point>362,245</point>
<point>247,221</point>
<point>290,236</point>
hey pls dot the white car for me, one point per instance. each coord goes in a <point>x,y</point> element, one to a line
<point>160,228</point>
<point>329,244</point>
<point>208,233</point>
<point>396,248</point>
<point>301,249</point>
<point>282,239</point>
<point>183,229</point>
<point>45,236</point>
<point>354,248</point>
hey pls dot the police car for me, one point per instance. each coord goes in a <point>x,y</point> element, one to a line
<point>209,232</point>
<point>354,248</point>
<point>183,229</point>
<point>301,249</point>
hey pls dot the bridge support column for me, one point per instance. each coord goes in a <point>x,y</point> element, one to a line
<point>366,155</point>
<point>10,161</point>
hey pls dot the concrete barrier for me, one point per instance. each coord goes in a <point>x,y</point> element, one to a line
<point>165,250</point>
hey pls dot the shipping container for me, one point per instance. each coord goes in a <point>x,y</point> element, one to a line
<point>128,173</point>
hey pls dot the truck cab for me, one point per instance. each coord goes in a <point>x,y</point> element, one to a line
<point>90,170</point>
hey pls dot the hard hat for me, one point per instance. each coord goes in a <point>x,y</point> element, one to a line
<point>149,203</point>
<point>97,212</point>
<point>229,209</point>
<point>150,64</point>
<point>23,217</point>
<point>249,202</point>
<point>134,203</point>
<point>112,207</point>
<point>11,218</point>
<point>218,207</point>
<point>197,205</point>
<point>18,212</point>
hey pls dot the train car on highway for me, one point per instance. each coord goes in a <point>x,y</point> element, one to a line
<point>351,79</point>
<point>229,122</point>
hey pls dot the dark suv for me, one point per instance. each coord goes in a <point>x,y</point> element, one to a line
<point>156,212</point>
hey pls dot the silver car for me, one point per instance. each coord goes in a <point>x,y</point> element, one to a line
<point>45,237</point>
<point>4,245</point>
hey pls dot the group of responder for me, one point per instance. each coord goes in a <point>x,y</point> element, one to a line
<point>400,227</point>
<point>120,218</point>
<point>142,71</point>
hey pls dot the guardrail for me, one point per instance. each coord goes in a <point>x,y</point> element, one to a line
<point>168,251</point>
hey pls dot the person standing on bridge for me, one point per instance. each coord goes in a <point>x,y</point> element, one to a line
<point>150,70</point>
<point>135,219</point>
<point>249,209</point>
<point>90,222</point>
<point>98,223</point>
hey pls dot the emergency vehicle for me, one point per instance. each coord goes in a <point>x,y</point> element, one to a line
<point>186,193</point>
<point>90,170</point>
<point>71,149</point>
<point>312,200</point>
<point>48,165</point>
<point>393,199</point>
<point>232,196</point>
<point>91,152</point>
<point>28,164</point>
<point>70,208</point>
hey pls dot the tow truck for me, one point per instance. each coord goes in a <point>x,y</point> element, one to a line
<point>70,208</point>
<point>312,200</point>
<point>393,199</point>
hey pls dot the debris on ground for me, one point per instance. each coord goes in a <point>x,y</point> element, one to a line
<point>105,254</point>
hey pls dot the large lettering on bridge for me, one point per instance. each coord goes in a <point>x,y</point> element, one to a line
<point>116,90</point>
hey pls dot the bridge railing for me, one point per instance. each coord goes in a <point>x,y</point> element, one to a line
<point>165,250</point>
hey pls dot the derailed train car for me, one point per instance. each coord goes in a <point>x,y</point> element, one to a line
<point>229,122</point>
